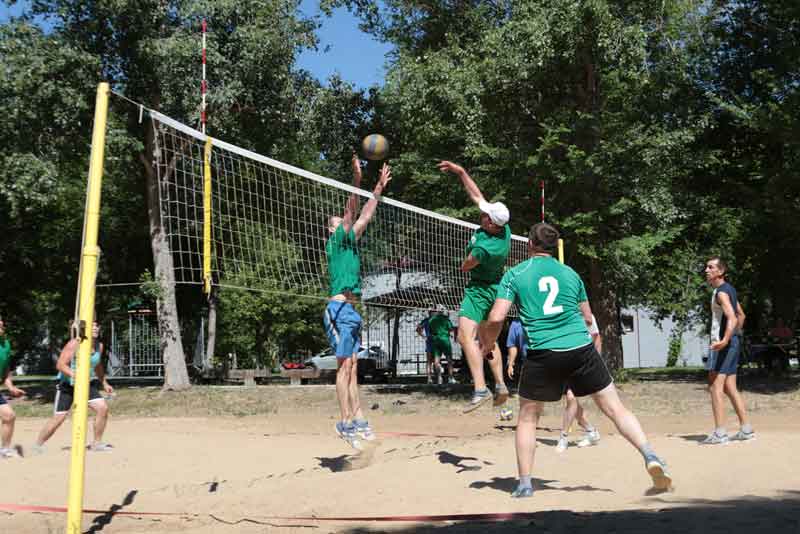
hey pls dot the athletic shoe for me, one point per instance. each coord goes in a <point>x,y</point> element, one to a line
<point>500,395</point>
<point>562,444</point>
<point>37,450</point>
<point>743,436</point>
<point>439,379</point>
<point>657,469</point>
<point>522,492</point>
<point>348,433</point>
<point>716,439</point>
<point>451,380</point>
<point>99,446</point>
<point>478,398</point>
<point>9,452</point>
<point>590,438</point>
<point>364,431</point>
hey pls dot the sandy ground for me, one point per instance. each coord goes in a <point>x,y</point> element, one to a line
<point>244,474</point>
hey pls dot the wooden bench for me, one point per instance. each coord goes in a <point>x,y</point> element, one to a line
<point>296,376</point>
<point>248,376</point>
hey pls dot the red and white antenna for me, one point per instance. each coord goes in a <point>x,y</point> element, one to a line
<point>541,185</point>
<point>203,83</point>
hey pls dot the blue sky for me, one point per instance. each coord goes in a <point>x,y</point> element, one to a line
<point>356,56</point>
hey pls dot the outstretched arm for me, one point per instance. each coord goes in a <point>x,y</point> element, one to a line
<point>352,203</point>
<point>469,184</point>
<point>369,208</point>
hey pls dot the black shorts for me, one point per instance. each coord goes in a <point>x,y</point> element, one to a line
<point>2,400</point>
<point>65,393</point>
<point>547,374</point>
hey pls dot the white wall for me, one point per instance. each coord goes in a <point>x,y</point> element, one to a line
<point>648,345</point>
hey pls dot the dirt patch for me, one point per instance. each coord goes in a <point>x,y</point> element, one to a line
<point>244,459</point>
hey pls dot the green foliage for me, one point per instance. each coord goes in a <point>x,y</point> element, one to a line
<point>271,319</point>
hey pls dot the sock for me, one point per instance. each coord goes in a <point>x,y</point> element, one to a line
<point>564,435</point>
<point>589,428</point>
<point>647,451</point>
<point>482,392</point>
<point>747,428</point>
<point>360,422</point>
<point>525,482</point>
<point>720,431</point>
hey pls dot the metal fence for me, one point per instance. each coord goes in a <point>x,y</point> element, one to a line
<point>135,346</point>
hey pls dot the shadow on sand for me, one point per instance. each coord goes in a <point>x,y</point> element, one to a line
<point>742,515</point>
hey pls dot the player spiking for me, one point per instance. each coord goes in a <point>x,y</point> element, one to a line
<point>487,253</point>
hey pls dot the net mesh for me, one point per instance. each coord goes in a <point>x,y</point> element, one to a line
<point>269,228</point>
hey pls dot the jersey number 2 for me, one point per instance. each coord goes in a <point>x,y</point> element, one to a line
<point>550,284</point>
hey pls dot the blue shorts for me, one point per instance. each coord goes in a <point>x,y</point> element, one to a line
<point>725,361</point>
<point>343,327</point>
<point>428,345</point>
<point>2,400</point>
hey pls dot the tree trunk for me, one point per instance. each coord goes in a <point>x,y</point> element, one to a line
<point>604,307</point>
<point>176,376</point>
<point>212,326</point>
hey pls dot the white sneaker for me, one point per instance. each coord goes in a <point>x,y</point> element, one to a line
<point>562,444</point>
<point>590,438</point>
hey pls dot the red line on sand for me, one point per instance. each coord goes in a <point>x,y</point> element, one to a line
<point>503,516</point>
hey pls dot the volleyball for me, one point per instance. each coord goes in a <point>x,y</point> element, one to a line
<point>506,413</point>
<point>375,147</point>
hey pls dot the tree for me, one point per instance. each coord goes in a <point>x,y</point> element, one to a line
<point>149,50</point>
<point>592,97</point>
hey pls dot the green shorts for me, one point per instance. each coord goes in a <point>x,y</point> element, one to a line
<point>477,302</point>
<point>441,346</point>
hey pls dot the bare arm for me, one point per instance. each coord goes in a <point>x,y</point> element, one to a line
<point>352,202</point>
<point>469,263</point>
<point>65,358</point>
<point>490,329</point>
<point>100,372</point>
<point>369,208</point>
<point>12,389</point>
<point>725,301</point>
<point>469,184</point>
<point>512,357</point>
<point>740,316</point>
<point>598,343</point>
<point>586,311</point>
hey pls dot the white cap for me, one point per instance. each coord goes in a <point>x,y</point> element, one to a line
<point>441,308</point>
<point>497,211</point>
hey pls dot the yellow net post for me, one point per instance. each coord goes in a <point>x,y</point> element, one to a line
<point>561,250</point>
<point>207,217</point>
<point>89,259</point>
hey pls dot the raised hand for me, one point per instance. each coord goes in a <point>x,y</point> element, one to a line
<point>449,166</point>
<point>386,175</point>
<point>356,164</point>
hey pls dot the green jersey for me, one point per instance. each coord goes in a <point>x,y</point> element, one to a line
<point>491,251</point>
<point>5,356</point>
<point>440,326</point>
<point>547,294</point>
<point>344,264</point>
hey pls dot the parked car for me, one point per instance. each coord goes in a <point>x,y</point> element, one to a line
<point>373,362</point>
